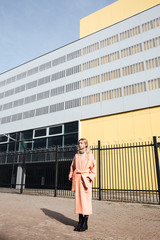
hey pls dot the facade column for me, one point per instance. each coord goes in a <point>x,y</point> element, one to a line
<point>19,178</point>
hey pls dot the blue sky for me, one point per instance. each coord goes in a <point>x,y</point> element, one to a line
<point>31,28</point>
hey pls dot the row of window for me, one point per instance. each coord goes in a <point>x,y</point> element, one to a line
<point>41,143</point>
<point>130,33</point>
<point>134,88</point>
<point>155,42</point>
<point>128,70</point>
<point>154,84</point>
<point>111,75</point>
<point>111,94</point>
<point>91,64</point>
<point>131,50</point>
<point>132,69</point>
<point>94,98</point>
<point>110,57</point>
<point>108,41</point>
<point>73,86</point>
<point>91,81</point>
<point>106,95</point>
<point>64,134</point>
<point>151,24</point>
<point>153,63</point>
<point>93,47</point>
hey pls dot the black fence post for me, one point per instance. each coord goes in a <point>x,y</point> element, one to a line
<point>99,163</point>
<point>157,164</point>
<point>56,172</point>
<point>23,171</point>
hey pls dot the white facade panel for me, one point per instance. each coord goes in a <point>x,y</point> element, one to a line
<point>113,70</point>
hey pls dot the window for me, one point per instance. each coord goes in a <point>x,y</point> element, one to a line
<point>9,92</point>
<point>55,130</point>
<point>151,24</point>
<point>31,85</point>
<point>14,136</point>
<point>41,111</point>
<point>73,103</point>
<point>91,99</point>
<point>32,71</point>
<point>91,48</point>
<point>3,139</point>
<point>152,63</point>
<point>71,139</point>
<point>131,50</point>
<point>58,61</point>
<point>109,41</point>
<point>71,127</point>
<point>44,80</point>
<point>91,81</point>
<point>43,95</point>
<point>91,64</point>
<point>73,70</point>
<point>3,147</point>
<point>111,75</point>
<point>45,66</point>
<point>73,55</point>
<point>12,146</point>
<point>39,143</point>
<point>73,86</point>
<point>28,114</point>
<point>110,57</point>
<point>16,117</point>
<point>154,84</point>
<point>40,132</point>
<point>155,42</point>
<point>134,88</point>
<point>27,135</point>
<point>57,107</point>
<point>30,99</point>
<point>138,67</point>
<point>130,33</point>
<point>57,91</point>
<point>58,75</point>
<point>114,93</point>
<point>54,141</point>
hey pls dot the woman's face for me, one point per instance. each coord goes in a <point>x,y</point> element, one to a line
<point>81,145</point>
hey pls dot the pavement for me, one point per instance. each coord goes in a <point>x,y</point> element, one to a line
<point>36,217</point>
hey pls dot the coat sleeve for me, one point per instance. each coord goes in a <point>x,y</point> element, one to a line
<point>92,172</point>
<point>72,168</point>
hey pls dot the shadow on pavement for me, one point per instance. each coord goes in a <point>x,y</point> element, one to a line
<point>59,217</point>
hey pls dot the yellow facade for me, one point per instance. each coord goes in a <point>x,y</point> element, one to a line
<point>136,170</point>
<point>112,14</point>
<point>126,127</point>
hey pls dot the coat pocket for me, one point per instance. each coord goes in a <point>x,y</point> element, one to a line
<point>86,182</point>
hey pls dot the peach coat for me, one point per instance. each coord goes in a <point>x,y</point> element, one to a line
<point>82,173</point>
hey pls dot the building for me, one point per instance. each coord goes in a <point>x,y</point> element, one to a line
<point>104,86</point>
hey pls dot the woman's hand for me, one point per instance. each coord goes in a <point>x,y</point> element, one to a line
<point>70,179</point>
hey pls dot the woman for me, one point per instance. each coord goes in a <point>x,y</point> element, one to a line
<point>82,173</point>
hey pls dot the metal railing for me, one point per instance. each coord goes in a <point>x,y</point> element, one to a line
<point>125,172</point>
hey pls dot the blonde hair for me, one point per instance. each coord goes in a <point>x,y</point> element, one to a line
<point>84,140</point>
<point>86,143</point>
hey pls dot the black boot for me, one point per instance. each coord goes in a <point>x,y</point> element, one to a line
<point>79,223</point>
<point>84,224</point>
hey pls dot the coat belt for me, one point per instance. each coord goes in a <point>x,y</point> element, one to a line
<point>84,175</point>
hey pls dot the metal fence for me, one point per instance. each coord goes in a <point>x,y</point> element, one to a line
<point>125,172</point>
